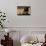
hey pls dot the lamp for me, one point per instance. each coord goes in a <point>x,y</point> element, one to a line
<point>7,31</point>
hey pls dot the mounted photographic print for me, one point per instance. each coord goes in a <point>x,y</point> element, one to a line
<point>23,10</point>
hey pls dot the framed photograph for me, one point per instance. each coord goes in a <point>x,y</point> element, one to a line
<point>23,10</point>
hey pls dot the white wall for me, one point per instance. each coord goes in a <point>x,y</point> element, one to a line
<point>37,19</point>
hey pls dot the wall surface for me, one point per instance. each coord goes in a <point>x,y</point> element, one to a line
<point>25,24</point>
<point>36,19</point>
